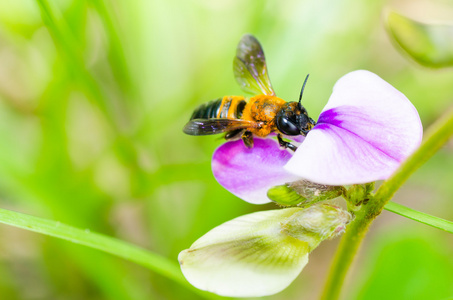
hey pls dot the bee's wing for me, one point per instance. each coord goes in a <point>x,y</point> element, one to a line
<point>249,67</point>
<point>214,126</point>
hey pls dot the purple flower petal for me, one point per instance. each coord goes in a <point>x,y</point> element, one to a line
<point>363,134</point>
<point>249,173</point>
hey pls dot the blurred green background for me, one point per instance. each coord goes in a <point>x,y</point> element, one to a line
<point>93,98</point>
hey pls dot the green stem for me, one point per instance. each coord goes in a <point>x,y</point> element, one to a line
<point>347,250</point>
<point>150,260</point>
<point>435,138</point>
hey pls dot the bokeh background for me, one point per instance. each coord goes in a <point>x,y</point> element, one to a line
<point>93,98</point>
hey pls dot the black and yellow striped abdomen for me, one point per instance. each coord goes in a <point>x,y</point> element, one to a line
<point>228,107</point>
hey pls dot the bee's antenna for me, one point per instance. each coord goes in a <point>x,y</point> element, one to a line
<point>302,91</point>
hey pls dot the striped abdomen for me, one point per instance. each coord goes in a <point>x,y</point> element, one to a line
<point>228,107</point>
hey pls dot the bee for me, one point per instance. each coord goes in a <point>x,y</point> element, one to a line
<point>261,115</point>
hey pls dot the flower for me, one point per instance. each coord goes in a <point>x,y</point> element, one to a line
<point>364,132</point>
<point>261,253</point>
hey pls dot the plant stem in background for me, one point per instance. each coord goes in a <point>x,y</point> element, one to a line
<point>437,135</point>
<point>150,260</point>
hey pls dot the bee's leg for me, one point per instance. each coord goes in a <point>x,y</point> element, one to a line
<point>285,144</point>
<point>247,138</point>
<point>234,135</point>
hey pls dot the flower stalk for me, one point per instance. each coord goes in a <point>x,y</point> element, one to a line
<point>436,136</point>
<point>345,254</point>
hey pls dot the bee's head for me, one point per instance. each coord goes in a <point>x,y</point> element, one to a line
<point>292,119</point>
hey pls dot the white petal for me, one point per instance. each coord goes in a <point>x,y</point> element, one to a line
<point>363,134</point>
<point>249,256</point>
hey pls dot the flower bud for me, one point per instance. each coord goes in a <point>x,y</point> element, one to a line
<point>303,192</point>
<point>359,194</point>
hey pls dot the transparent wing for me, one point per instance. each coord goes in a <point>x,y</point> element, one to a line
<point>249,67</point>
<point>214,126</point>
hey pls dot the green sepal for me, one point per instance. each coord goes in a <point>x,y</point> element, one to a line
<point>303,192</point>
<point>285,196</point>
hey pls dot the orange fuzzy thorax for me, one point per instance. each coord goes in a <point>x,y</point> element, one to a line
<point>263,109</point>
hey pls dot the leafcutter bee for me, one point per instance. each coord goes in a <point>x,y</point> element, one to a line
<point>261,115</point>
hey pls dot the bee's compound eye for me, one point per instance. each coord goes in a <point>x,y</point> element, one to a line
<point>286,126</point>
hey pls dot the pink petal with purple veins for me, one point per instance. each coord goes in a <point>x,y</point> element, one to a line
<point>363,134</point>
<point>249,173</point>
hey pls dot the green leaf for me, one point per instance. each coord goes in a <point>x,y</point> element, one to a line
<point>430,45</point>
<point>406,263</point>
<point>419,216</point>
<point>150,260</point>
